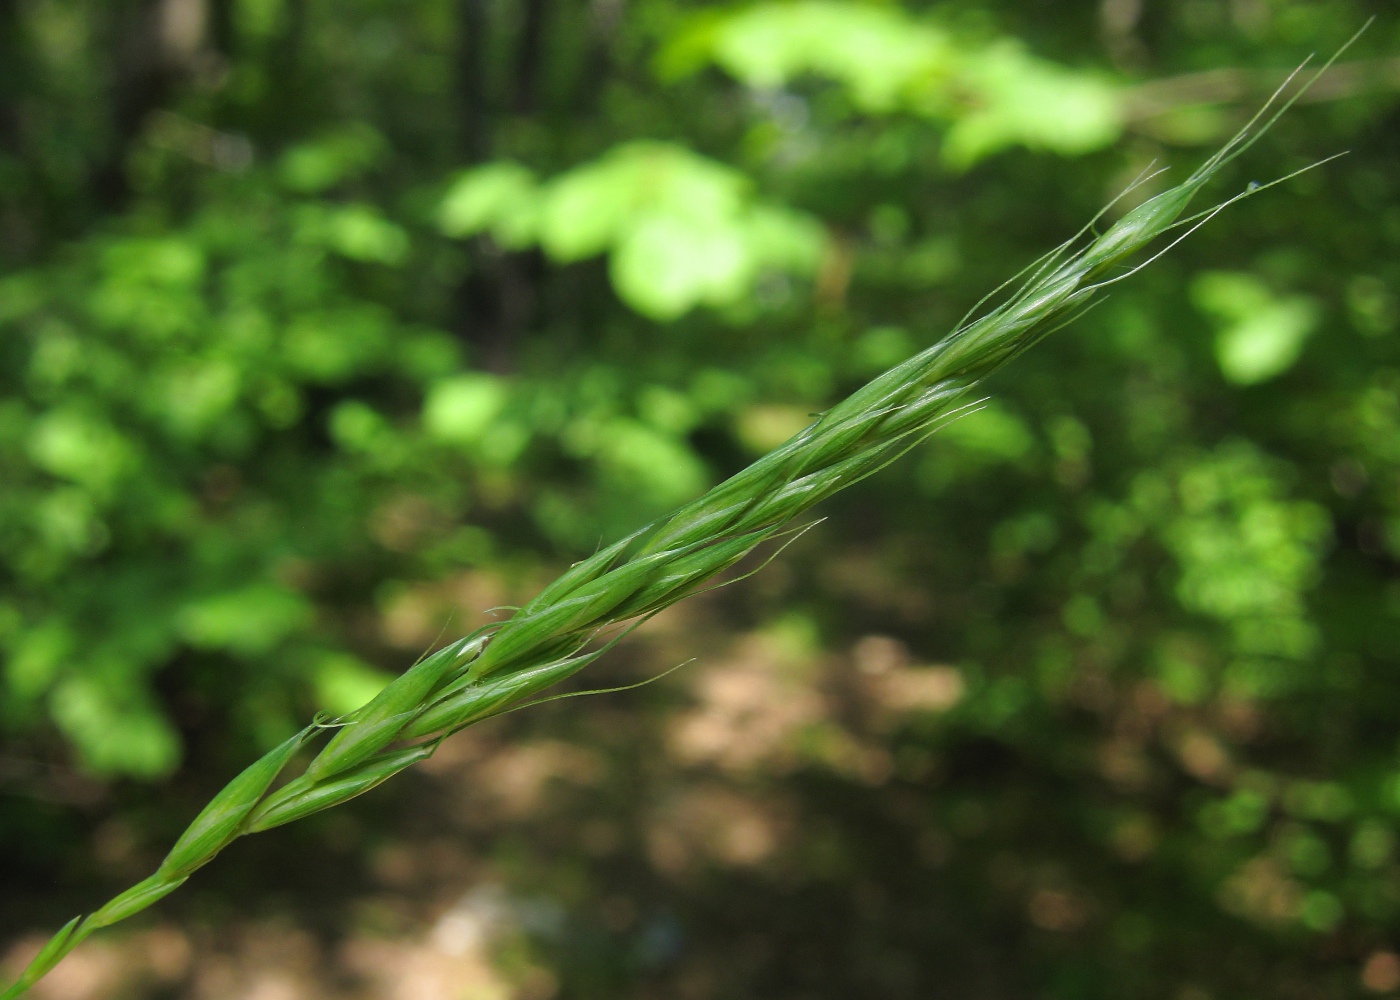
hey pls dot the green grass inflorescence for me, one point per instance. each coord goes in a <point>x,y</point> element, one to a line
<point>505,665</point>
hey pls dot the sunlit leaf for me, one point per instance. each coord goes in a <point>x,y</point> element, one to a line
<point>1259,337</point>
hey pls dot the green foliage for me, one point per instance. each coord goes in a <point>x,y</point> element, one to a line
<point>680,230</point>
<point>129,400</point>
<point>881,54</point>
<point>1260,337</point>
<point>1018,100</point>
<point>995,95</point>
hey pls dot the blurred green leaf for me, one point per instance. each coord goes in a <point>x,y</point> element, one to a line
<point>682,230</point>
<point>114,731</point>
<point>1024,101</point>
<point>500,198</point>
<point>249,621</point>
<point>339,155</point>
<point>461,409</point>
<point>993,430</point>
<point>877,51</point>
<point>1260,337</point>
<point>344,683</point>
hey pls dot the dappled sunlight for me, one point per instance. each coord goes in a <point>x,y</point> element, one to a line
<point>750,711</point>
<point>896,687</point>
<point>715,825</point>
<point>519,777</point>
<point>415,617</point>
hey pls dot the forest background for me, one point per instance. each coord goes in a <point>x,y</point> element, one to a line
<point>325,328</point>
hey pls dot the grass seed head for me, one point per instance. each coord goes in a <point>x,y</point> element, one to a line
<point>503,666</point>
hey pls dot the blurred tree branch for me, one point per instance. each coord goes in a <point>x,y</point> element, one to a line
<point>1221,86</point>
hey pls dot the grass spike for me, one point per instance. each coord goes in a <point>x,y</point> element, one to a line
<point>624,584</point>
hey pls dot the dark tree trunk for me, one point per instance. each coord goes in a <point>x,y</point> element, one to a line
<point>471,80</point>
<point>496,301</point>
<point>286,65</point>
<point>11,77</point>
<point>604,16</point>
<point>530,55</point>
<point>139,81</point>
<point>19,208</point>
<point>221,28</point>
